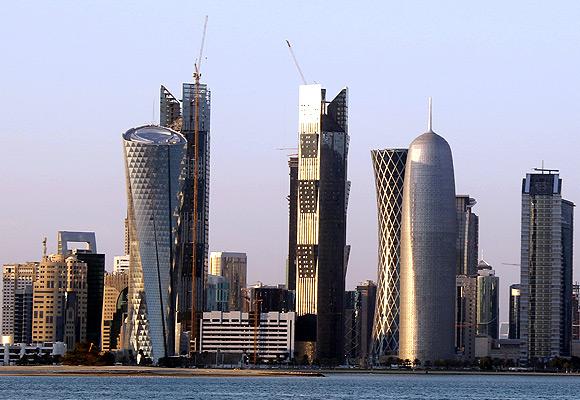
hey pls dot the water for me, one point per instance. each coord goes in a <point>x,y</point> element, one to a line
<point>347,386</point>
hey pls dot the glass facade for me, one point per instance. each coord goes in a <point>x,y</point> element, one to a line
<point>389,171</point>
<point>514,331</point>
<point>154,166</point>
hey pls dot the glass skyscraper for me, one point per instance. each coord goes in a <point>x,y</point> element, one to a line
<point>389,171</point>
<point>321,250</point>
<point>154,168</point>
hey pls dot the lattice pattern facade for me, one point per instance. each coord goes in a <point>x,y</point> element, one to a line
<point>389,169</point>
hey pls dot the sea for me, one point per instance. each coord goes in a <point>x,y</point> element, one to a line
<point>333,386</point>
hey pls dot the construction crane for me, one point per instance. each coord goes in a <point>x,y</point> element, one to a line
<point>296,62</point>
<point>286,148</point>
<point>254,307</point>
<point>197,97</point>
<point>511,264</point>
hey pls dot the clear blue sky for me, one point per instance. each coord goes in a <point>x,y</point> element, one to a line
<point>75,75</point>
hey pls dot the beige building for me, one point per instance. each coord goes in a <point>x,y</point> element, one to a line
<point>60,301</point>
<point>233,267</point>
<point>17,281</point>
<point>116,285</point>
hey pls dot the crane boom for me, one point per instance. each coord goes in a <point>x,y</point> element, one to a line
<point>296,62</point>
<point>198,62</point>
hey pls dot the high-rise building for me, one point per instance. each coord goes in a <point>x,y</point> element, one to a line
<point>465,316</point>
<point>154,168</point>
<point>114,310</point>
<point>389,171</point>
<point>127,238</point>
<point>217,293</point>
<point>514,331</point>
<point>60,301</point>
<point>195,108</point>
<point>233,267</point>
<point>546,267</point>
<point>292,223</point>
<point>576,312</point>
<point>268,298</point>
<point>359,317</point>
<point>428,252</point>
<point>321,250</point>
<point>17,283</point>
<point>467,236</point>
<point>487,301</point>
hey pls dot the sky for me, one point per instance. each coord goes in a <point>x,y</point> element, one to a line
<point>76,75</point>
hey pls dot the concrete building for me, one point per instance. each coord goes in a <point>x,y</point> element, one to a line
<point>546,267</point>
<point>114,310</point>
<point>292,223</point>
<point>389,172</point>
<point>154,159</point>
<point>17,283</point>
<point>217,293</point>
<point>487,301</point>
<point>467,235</point>
<point>193,242</point>
<point>428,251</point>
<point>121,264</point>
<point>233,267</point>
<point>269,298</point>
<point>321,249</point>
<point>11,352</point>
<point>466,316</point>
<point>271,334</point>
<point>359,317</point>
<point>514,331</point>
<point>60,301</point>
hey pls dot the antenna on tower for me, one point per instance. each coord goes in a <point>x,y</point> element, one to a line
<point>296,62</point>
<point>430,121</point>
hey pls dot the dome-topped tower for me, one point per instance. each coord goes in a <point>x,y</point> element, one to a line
<point>428,251</point>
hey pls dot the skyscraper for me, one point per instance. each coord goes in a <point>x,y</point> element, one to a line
<point>546,267</point>
<point>17,282</point>
<point>114,309</point>
<point>233,267</point>
<point>292,223</point>
<point>195,107</point>
<point>514,331</point>
<point>321,250</point>
<point>467,236</point>
<point>389,171</point>
<point>154,165</point>
<point>487,301</point>
<point>428,251</point>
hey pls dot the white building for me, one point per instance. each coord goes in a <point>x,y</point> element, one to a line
<point>17,281</point>
<point>236,332</point>
<point>121,264</point>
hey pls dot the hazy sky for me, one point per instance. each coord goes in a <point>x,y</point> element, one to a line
<point>504,77</point>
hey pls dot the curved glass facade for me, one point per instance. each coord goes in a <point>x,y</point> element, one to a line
<point>428,252</point>
<point>389,170</point>
<point>154,164</point>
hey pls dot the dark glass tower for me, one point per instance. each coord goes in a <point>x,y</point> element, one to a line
<point>292,223</point>
<point>184,122</point>
<point>95,289</point>
<point>514,311</point>
<point>389,170</point>
<point>321,250</point>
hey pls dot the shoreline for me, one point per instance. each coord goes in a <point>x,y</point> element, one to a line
<point>135,371</point>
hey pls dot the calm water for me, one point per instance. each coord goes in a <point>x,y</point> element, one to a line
<point>331,387</point>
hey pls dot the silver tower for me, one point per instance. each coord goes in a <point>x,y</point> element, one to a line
<point>389,169</point>
<point>154,164</point>
<point>428,251</point>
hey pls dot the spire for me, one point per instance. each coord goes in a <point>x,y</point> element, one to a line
<point>430,121</point>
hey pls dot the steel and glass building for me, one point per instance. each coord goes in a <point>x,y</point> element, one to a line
<point>487,301</point>
<point>428,252</point>
<point>195,105</point>
<point>546,267</point>
<point>234,267</point>
<point>514,331</point>
<point>389,171</point>
<point>292,223</point>
<point>154,166</point>
<point>321,250</point>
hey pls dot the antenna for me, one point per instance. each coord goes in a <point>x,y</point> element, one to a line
<point>430,121</point>
<point>296,62</point>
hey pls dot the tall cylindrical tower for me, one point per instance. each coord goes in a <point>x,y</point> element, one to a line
<point>154,165</point>
<point>389,170</point>
<point>428,252</point>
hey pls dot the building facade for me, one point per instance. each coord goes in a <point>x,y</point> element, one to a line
<point>233,267</point>
<point>389,172</point>
<point>17,283</point>
<point>546,268</point>
<point>428,252</point>
<point>154,170</point>
<point>114,310</point>
<point>465,316</point>
<point>121,264</point>
<point>487,301</point>
<point>292,223</point>
<point>217,293</point>
<point>270,335</point>
<point>321,250</point>
<point>269,298</point>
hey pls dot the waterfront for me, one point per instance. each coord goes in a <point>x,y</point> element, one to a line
<point>333,386</point>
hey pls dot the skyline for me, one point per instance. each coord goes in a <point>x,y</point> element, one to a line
<point>94,92</point>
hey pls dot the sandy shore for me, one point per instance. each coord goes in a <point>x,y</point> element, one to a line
<point>68,370</point>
